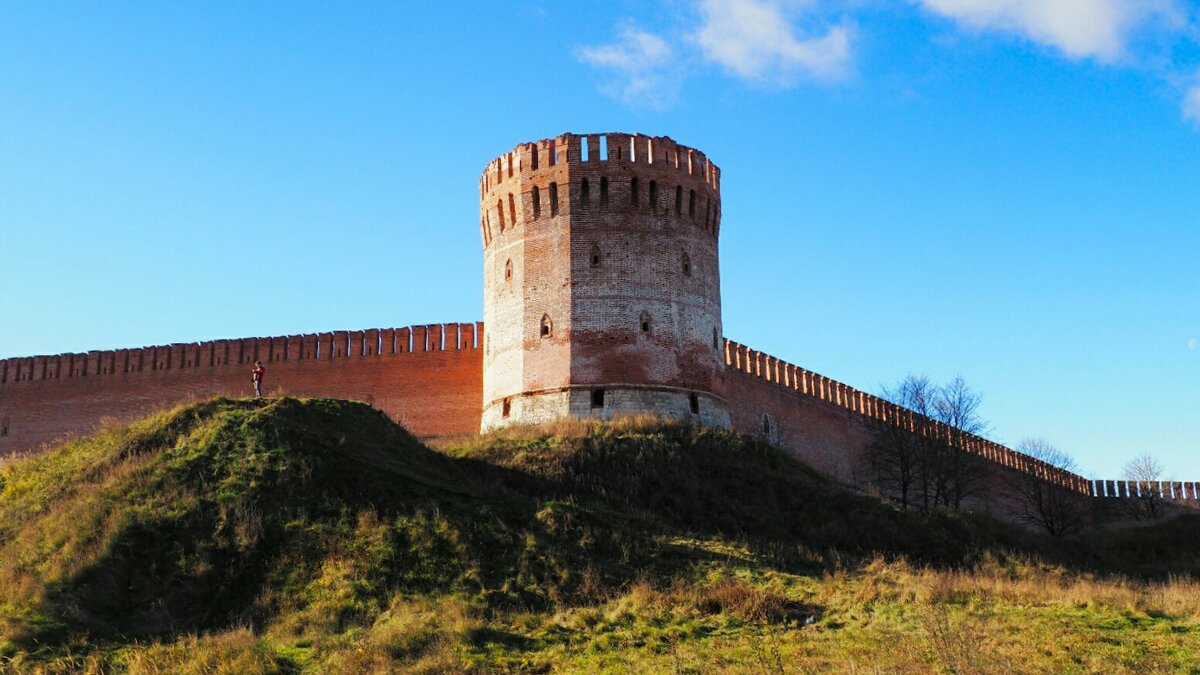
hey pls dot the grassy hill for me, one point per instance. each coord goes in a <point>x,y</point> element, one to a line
<point>283,535</point>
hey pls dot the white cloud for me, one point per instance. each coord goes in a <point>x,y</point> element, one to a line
<point>643,68</point>
<point>756,40</point>
<point>1098,29</point>
<point>1191,111</point>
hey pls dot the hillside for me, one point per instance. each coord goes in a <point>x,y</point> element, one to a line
<point>286,535</point>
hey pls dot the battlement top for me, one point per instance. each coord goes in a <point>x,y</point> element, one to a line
<point>581,150</point>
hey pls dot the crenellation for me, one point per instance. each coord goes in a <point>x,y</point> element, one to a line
<point>355,343</point>
<point>246,350</point>
<point>419,339</point>
<point>176,355</point>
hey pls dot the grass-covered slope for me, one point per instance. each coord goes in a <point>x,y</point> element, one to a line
<point>283,535</point>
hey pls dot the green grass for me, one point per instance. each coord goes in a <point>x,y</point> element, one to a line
<point>285,535</point>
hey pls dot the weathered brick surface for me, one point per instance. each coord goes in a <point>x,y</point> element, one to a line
<point>616,251</point>
<point>431,387</point>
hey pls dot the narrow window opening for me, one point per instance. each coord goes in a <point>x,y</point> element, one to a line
<point>692,203</point>
<point>583,148</point>
<point>536,196</point>
<point>4,427</point>
<point>554,199</point>
<point>715,344</point>
<point>633,191</point>
<point>687,265</point>
<point>508,270</point>
<point>766,424</point>
<point>584,192</point>
<point>603,192</point>
<point>512,209</point>
<point>694,403</point>
<point>510,163</point>
<point>506,407</point>
<point>678,200</point>
<point>547,326</point>
<point>533,158</point>
<point>654,196</point>
<point>603,148</point>
<point>597,398</point>
<point>500,211</point>
<point>645,321</point>
<point>553,154</point>
<point>595,257</point>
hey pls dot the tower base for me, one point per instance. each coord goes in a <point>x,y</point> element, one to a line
<point>604,403</point>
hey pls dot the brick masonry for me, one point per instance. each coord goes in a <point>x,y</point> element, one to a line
<point>601,280</point>
<point>425,377</point>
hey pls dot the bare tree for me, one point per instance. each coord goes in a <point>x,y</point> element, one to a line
<point>1057,509</point>
<point>899,447</point>
<point>958,473</point>
<point>921,458</point>
<point>1146,472</point>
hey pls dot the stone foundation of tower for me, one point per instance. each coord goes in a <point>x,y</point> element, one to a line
<point>605,403</point>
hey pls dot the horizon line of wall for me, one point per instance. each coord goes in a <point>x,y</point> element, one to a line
<point>804,382</point>
<point>308,346</point>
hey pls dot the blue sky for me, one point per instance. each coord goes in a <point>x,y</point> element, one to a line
<point>1003,189</point>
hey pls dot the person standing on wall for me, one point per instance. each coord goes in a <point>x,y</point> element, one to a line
<point>258,373</point>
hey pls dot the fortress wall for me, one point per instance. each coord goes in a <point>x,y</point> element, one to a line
<point>427,378</point>
<point>827,438</point>
<point>828,424</point>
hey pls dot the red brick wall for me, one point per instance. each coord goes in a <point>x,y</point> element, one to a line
<point>425,377</point>
<point>826,423</point>
<point>429,378</point>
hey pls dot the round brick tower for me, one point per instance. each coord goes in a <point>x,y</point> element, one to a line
<point>602,295</point>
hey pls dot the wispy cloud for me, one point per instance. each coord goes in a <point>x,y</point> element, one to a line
<point>1191,106</point>
<point>642,67</point>
<point>1080,29</point>
<point>782,43</point>
<point>759,41</point>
